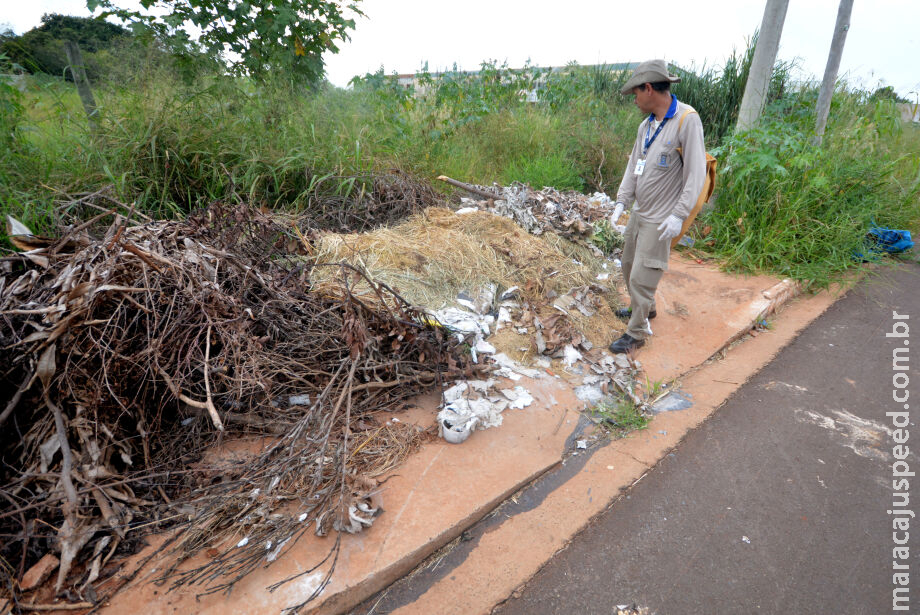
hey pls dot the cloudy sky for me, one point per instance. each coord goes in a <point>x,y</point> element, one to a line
<point>882,47</point>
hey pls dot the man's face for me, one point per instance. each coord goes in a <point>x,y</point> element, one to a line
<point>643,100</point>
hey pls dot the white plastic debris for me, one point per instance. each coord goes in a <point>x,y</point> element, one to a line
<point>617,263</point>
<point>746,540</point>
<point>461,320</point>
<point>243,542</point>
<point>504,315</point>
<point>510,366</point>
<point>484,347</point>
<point>475,404</point>
<point>581,444</point>
<point>603,276</point>
<point>617,212</point>
<point>466,210</point>
<point>519,397</point>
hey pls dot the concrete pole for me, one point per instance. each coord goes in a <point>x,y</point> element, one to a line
<point>758,82</point>
<point>833,65</point>
<point>78,70</point>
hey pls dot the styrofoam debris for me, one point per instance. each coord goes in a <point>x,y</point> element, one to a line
<point>570,355</point>
<point>466,210</point>
<point>299,400</point>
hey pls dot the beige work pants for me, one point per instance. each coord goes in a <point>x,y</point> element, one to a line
<point>645,259</point>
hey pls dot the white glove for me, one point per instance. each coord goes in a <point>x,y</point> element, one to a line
<point>670,228</point>
<point>617,212</point>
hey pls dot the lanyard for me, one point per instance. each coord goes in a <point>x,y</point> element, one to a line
<point>648,142</point>
<point>671,110</point>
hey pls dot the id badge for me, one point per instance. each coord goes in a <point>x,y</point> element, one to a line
<point>640,166</point>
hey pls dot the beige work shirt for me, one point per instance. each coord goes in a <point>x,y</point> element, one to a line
<point>670,182</point>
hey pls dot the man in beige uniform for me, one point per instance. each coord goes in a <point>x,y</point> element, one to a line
<point>664,178</point>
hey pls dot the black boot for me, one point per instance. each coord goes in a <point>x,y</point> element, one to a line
<point>627,343</point>
<point>625,313</point>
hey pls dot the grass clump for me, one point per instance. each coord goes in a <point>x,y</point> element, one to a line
<point>620,416</point>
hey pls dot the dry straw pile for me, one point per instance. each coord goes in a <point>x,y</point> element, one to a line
<point>432,256</point>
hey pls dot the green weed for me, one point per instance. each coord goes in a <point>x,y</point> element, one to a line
<point>620,417</point>
<point>605,237</point>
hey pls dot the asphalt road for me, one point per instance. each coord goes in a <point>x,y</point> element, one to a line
<point>778,503</point>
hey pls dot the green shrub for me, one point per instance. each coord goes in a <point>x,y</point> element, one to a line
<point>788,207</point>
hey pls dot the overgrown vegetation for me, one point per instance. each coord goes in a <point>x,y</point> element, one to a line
<point>788,207</point>
<point>171,146</point>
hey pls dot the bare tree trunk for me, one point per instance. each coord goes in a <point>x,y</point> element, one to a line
<point>833,66</point>
<point>78,70</point>
<point>758,82</point>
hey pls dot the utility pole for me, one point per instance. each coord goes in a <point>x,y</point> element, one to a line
<point>78,70</point>
<point>833,65</point>
<point>758,82</point>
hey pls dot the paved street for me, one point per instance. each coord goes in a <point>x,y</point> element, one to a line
<point>778,503</point>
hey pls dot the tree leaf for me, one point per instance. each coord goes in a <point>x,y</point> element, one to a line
<point>47,365</point>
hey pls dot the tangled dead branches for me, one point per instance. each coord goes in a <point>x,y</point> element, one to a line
<point>358,204</point>
<point>126,356</point>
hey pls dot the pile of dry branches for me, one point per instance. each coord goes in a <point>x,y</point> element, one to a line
<point>126,352</point>
<point>358,204</point>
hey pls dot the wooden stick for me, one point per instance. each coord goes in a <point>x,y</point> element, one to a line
<point>186,399</point>
<point>471,189</point>
<point>74,606</point>
<point>15,401</point>
<point>207,382</point>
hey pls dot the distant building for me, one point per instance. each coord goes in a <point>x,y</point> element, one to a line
<point>411,80</point>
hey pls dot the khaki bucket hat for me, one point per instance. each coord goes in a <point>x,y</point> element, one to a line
<point>650,71</point>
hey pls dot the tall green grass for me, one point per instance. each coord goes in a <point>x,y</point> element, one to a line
<point>170,145</point>
<point>788,207</point>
